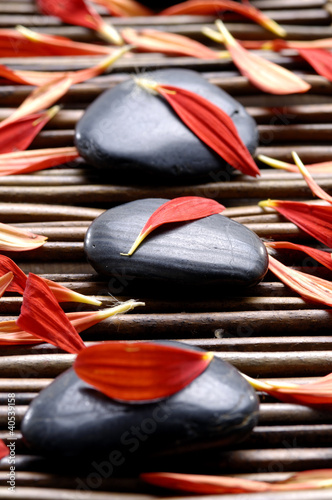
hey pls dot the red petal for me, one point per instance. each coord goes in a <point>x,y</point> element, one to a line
<point>62,293</point>
<point>125,8</point>
<point>5,282</point>
<point>212,7</point>
<point>83,320</point>
<point>17,135</point>
<point>11,334</point>
<point>318,191</point>
<point>315,394</point>
<point>315,220</point>
<point>150,40</point>
<point>139,371</point>
<point>19,280</point>
<point>33,160</point>
<point>56,45</point>
<point>309,287</point>
<point>210,485</point>
<point>4,450</point>
<point>319,59</point>
<point>80,13</point>
<point>212,125</point>
<point>41,315</point>
<point>181,209</point>
<point>321,256</point>
<point>264,74</point>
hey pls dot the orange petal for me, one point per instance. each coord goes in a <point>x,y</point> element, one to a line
<point>316,394</point>
<point>42,316</point>
<point>5,281</point>
<point>42,97</point>
<point>214,485</point>
<point>125,8</point>
<point>309,287</point>
<point>181,209</point>
<point>264,74</point>
<point>85,319</point>
<point>150,40</point>
<point>33,160</point>
<point>16,240</point>
<point>141,370</point>
<point>317,190</point>
<point>212,7</point>
<point>57,45</point>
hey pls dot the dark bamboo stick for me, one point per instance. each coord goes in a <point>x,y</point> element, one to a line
<point>23,384</point>
<point>238,189</point>
<point>285,115</point>
<point>265,364</point>
<point>10,212</point>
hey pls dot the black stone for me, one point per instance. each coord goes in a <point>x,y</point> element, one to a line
<point>71,418</point>
<point>210,251</point>
<point>135,134</point>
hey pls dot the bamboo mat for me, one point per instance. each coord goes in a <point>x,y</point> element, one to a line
<point>267,331</point>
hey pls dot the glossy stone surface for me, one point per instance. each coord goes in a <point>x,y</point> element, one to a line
<point>213,250</point>
<point>135,134</point>
<point>71,418</point>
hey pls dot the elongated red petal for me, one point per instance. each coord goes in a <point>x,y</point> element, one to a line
<point>41,315</point>
<point>309,287</point>
<point>324,167</point>
<point>315,220</point>
<point>85,319</point>
<point>212,125</point>
<point>16,240</point>
<point>78,12</point>
<point>315,394</point>
<point>181,209</point>
<point>41,98</point>
<point>264,74</point>
<point>139,371</point>
<point>317,190</point>
<point>5,282</point>
<point>19,279</point>
<point>212,7</point>
<point>33,160</point>
<point>210,485</point>
<point>325,258</point>
<point>62,293</point>
<point>44,44</point>
<point>319,59</point>
<point>46,95</point>
<point>150,40</point>
<point>4,450</point>
<point>17,135</point>
<point>11,334</point>
<point>125,8</point>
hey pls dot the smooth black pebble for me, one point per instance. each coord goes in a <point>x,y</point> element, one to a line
<point>71,418</point>
<point>210,251</point>
<point>137,135</point>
